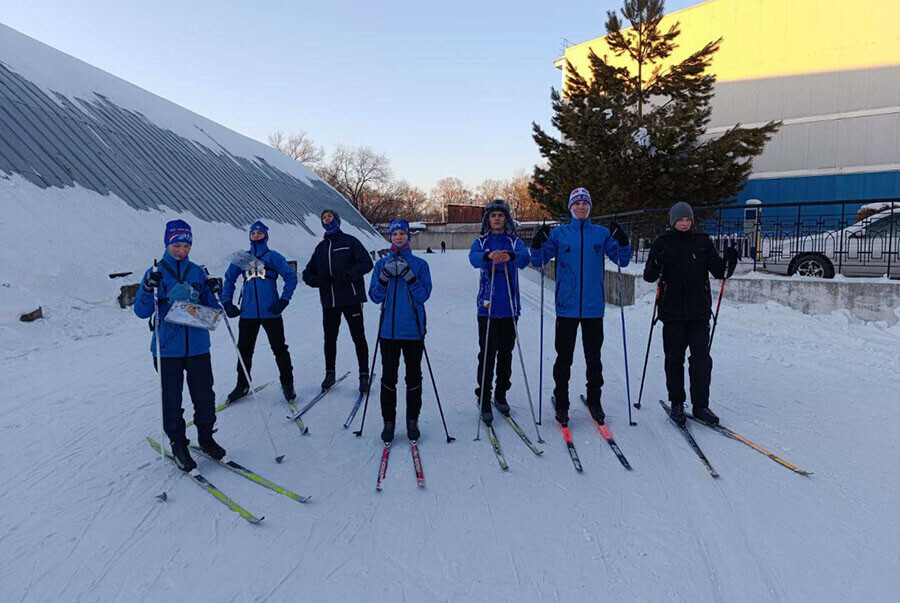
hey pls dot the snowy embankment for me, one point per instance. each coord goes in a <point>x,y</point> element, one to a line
<point>80,521</point>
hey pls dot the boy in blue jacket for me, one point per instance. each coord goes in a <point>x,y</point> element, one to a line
<point>183,349</point>
<point>579,248</point>
<point>499,255</point>
<point>401,283</point>
<point>261,306</point>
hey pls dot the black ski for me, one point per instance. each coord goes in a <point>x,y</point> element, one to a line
<point>357,404</point>
<point>573,454</point>
<point>607,435</point>
<point>736,436</point>
<point>318,397</point>
<point>691,441</point>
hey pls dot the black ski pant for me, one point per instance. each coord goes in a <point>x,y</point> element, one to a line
<point>500,343</point>
<point>678,335</point>
<point>200,385</point>
<point>591,341</point>
<point>412,350</point>
<point>331,323</point>
<point>248,330</point>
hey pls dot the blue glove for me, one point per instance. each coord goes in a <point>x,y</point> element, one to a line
<point>279,306</point>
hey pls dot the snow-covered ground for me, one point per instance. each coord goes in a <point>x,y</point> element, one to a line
<point>79,521</point>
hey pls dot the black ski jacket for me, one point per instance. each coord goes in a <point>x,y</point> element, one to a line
<point>336,269</point>
<point>683,261</point>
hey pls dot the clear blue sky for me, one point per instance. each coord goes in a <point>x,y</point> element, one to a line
<point>445,89</point>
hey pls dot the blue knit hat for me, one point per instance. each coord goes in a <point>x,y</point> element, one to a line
<point>579,194</point>
<point>258,225</point>
<point>178,231</point>
<point>399,224</point>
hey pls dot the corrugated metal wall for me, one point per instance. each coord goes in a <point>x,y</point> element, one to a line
<point>101,146</point>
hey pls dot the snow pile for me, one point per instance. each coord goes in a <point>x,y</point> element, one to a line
<point>62,245</point>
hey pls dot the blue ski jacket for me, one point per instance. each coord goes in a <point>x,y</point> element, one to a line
<point>181,280</point>
<point>258,293</point>
<point>500,307</point>
<point>400,316</point>
<point>579,248</point>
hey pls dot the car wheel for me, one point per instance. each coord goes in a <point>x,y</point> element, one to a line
<point>814,265</point>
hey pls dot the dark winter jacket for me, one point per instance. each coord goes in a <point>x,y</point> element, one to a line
<point>481,247</point>
<point>336,268</point>
<point>579,248</point>
<point>258,294</point>
<point>683,261</point>
<point>181,280</point>
<point>400,320</point>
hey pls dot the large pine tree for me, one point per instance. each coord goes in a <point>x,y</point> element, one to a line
<point>636,136</point>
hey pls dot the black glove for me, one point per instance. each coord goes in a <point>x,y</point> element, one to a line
<point>731,260</point>
<point>152,281</point>
<point>655,262</point>
<point>618,234</point>
<point>540,237</point>
<point>231,311</point>
<point>214,284</point>
<point>279,306</point>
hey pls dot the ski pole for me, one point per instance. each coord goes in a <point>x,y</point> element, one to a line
<point>428,362</point>
<point>484,352</point>
<point>372,371</point>
<point>162,432</point>
<point>653,322</point>
<point>624,343</point>
<point>716,315</point>
<point>262,417</point>
<point>541,361</point>
<point>521,357</point>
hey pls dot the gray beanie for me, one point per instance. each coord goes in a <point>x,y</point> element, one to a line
<point>680,210</point>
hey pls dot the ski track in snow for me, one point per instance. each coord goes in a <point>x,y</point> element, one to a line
<point>80,521</point>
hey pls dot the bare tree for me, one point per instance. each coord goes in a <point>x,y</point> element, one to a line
<point>298,147</point>
<point>489,190</point>
<point>355,171</point>
<point>450,191</point>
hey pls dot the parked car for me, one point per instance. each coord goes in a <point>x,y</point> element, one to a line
<point>870,247</point>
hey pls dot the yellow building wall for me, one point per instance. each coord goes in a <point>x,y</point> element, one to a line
<point>776,38</point>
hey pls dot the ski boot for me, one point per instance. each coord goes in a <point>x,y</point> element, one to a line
<point>182,455</point>
<point>289,393</point>
<point>562,412</point>
<point>412,429</point>
<point>704,414</point>
<point>364,383</point>
<point>488,417</point>
<point>597,413</point>
<point>210,447</point>
<point>328,381</point>
<point>501,404</point>
<point>240,390</point>
<point>677,414</point>
<point>387,434</point>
